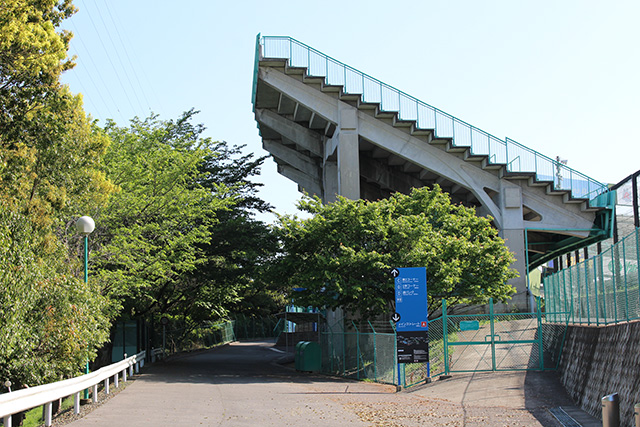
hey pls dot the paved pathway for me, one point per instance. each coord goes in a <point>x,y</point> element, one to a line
<point>241,385</point>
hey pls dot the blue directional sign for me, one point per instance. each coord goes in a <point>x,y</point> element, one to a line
<point>411,315</point>
<point>411,299</point>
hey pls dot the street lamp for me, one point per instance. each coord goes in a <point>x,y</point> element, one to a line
<point>85,226</point>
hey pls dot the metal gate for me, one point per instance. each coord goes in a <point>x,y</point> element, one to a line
<point>493,342</point>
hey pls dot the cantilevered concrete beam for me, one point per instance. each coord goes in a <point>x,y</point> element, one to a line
<point>378,172</point>
<point>323,105</point>
<point>292,157</point>
<point>311,185</point>
<point>305,138</point>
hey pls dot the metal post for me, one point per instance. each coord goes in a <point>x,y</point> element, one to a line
<point>595,289</point>
<point>624,270</point>
<point>540,338</point>
<point>375,353</point>
<point>445,340</point>
<point>636,410</point>
<point>86,280</point>
<point>611,410</point>
<point>493,338</point>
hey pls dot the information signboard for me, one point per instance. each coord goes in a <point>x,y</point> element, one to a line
<point>411,315</point>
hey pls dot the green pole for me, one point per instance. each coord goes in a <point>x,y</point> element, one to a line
<point>86,280</point>
<point>445,339</point>
<point>375,353</point>
<point>540,338</point>
<point>493,338</point>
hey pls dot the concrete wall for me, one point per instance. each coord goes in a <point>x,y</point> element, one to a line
<point>597,361</point>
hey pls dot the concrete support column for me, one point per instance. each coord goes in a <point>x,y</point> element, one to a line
<point>348,157</point>
<point>513,233</point>
<point>330,181</point>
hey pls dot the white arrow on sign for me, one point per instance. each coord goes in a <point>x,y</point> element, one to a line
<point>395,273</point>
<point>395,317</point>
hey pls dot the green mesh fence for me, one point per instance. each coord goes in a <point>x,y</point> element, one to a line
<point>600,290</point>
<point>457,343</point>
<point>250,328</point>
<point>181,337</point>
<point>363,351</point>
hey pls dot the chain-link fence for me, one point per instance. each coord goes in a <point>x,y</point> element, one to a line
<point>178,336</point>
<point>601,290</point>
<point>251,327</point>
<point>363,351</point>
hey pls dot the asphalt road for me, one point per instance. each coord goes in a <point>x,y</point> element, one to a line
<point>242,385</point>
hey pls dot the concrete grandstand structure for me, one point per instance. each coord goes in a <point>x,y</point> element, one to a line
<point>336,131</point>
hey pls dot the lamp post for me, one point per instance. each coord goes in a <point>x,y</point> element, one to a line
<point>85,226</point>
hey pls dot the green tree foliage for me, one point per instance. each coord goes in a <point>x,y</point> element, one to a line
<point>240,244</point>
<point>148,235</point>
<point>178,238</point>
<point>343,254</point>
<point>49,150</point>
<point>50,321</point>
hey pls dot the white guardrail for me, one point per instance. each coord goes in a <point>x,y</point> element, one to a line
<point>28,398</point>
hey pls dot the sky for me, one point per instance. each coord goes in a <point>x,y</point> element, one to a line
<point>560,77</point>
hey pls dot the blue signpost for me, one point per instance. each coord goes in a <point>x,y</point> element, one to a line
<point>411,315</point>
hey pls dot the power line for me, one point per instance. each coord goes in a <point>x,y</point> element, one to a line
<point>126,52</point>
<point>110,62</point>
<point>135,93</point>
<point>88,55</point>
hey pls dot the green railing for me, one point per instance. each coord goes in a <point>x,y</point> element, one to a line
<point>516,158</point>
<point>600,290</point>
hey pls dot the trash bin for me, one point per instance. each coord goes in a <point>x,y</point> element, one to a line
<point>611,410</point>
<point>297,354</point>
<point>308,356</point>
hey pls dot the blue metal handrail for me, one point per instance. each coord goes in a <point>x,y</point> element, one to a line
<point>515,157</point>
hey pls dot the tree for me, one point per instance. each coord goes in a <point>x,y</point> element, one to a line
<point>150,232</point>
<point>51,322</point>
<point>49,149</point>
<point>240,245</point>
<point>343,254</point>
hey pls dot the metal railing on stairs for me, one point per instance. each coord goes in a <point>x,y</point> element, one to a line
<point>514,157</point>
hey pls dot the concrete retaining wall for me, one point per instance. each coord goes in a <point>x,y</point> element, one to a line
<point>597,361</point>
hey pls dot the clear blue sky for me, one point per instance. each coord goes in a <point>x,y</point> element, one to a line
<point>560,77</point>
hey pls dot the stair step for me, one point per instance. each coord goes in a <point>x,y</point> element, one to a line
<point>398,123</point>
<point>314,80</point>
<point>470,157</point>
<point>350,97</point>
<point>534,182</point>
<point>294,71</point>
<point>381,114</point>
<point>416,131</point>
<point>450,148</point>
<point>486,165</point>
<point>273,62</point>
<point>518,174</point>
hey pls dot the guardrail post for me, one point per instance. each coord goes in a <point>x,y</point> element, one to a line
<point>131,370</point>
<point>7,421</point>
<point>47,414</point>
<point>95,393</point>
<point>115,379</point>
<point>124,375</point>
<point>106,386</point>
<point>611,410</point>
<point>76,403</point>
